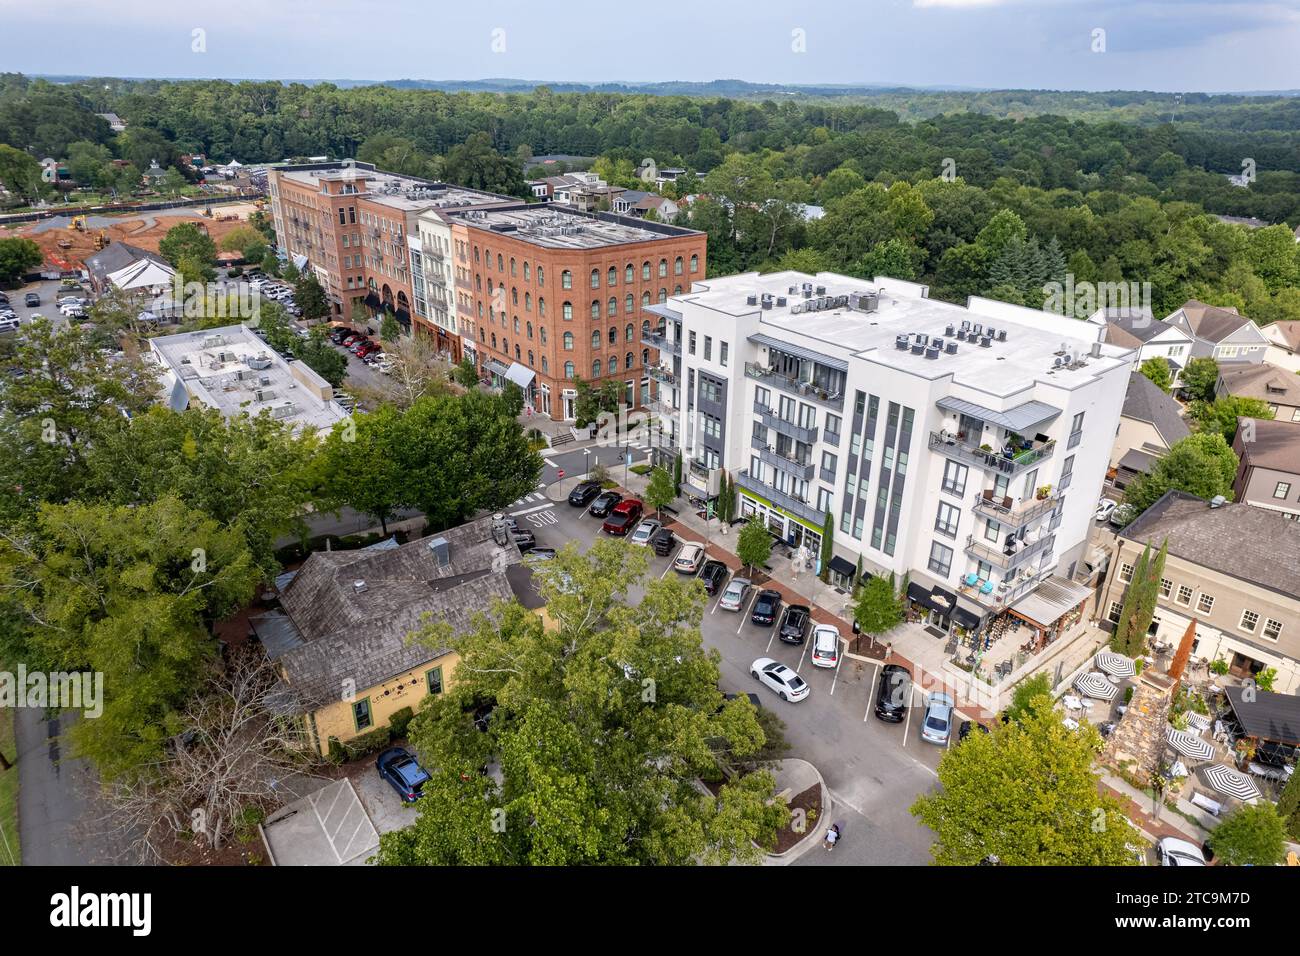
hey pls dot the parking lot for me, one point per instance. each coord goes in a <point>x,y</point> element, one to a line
<point>874,769</point>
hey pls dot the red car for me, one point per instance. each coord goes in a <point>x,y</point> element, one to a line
<point>350,340</point>
<point>356,347</point>
<point>365,348</point>
<point>623,518</point>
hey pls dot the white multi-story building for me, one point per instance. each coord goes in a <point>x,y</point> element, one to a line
<point>965,447</point>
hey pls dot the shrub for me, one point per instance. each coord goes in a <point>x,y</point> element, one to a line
<point>398,723</point>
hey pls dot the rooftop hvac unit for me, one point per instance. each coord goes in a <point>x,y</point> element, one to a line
<point>1002,335</point>
<point>262,360</point>
<point>440,547</point>
<point>950,331</point>
<point>780,302</point>
<point>793,289</point>
<point>985,342</point>
<point>922,338</point>
<point>212,341</point>
<point>978,328</point>
<point>951,348</point>
<point>796,308</point>
<point>751,300</point>
<point>965,324</point>
<point>821,290</point>
<point>917,348</point>
<point>1058,362</point>
<point>932,352</point>
<point>265,380</point>
<point>263,394</point>
<point>901,342</point>
<point>286,410</point>
<point>1095,352</point>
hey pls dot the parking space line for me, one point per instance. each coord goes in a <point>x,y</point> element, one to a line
<point>802,654</point>
<point>745,614</point>
<point>871,695</point>
<point>911,706</point>
<point>721,591</point>
<point>771,639</point>
<point>528,511</point>
<point>839,662</point>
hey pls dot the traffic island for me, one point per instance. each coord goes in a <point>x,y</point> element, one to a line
<point>801,786</point>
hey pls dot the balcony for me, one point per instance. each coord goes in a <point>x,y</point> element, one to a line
<point>780,425</point>
<point>658,406</point>
<point>1013,515</point>
<point>998,556</point>
<point>793,386</point>
<point>657,340</point>
<point>796,506</point>
<point>1009,462</point>
<point>662,374</point>
<point>791,466</point>
<point>1004,593</point>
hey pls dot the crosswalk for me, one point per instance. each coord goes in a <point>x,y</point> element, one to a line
<point>534,501</point>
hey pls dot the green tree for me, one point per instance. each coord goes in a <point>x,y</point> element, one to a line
<point>1027,794</point>
<point>602,724</point>
<point>1288,805</point>
<point>389,330</point>
<point>20,173</point>
<point>357,466</point>
<point>310,297</point>
<point>188,241</point>
<point>877,609</point>
<point>1026,692</point>
<point>322,358</point>
<point>127,592</point>
<point>477,165</point>
<point>1252,835</point>
<point>1221,414</point>
<point>242,239</point>
<point>1130,635</point>
<point>17,258</point>
<point>1157,370</point>
<point>754,545</point>
<point>1199,379</point>
<point>660,492</point>
<point>828,545</point>
<point>466,373</point>
<point>1201,464</point>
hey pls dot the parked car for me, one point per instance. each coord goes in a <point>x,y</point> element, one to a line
<point>663,542</point>
<point>689,558</point>
<point>1171,851</point>
<point>582,494</point>
<point>1122,515</point>
<point>894,693</point>
<point>350,339</point>
<point>937,725</point>
<point>733,598</point>
<point>766,607</point>
<point>604,504</point>
<point>337,335</point>
<point>4,299</point>
<point>32,299</point>
<point>794,623</point>
<point>825,646</point>
<point>623,518</point>
<point>646,531</point>
<point>367,348</point>
<point>713,574</point>
<point>403,772</point>
<point>1105,508</point>
<point>788,685</point>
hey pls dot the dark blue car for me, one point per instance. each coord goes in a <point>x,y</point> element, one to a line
<point>399,768</point>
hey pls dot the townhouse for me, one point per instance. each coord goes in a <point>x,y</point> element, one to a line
<point>1151,337</point>
<point>1268,475</point>
<point>1276,387</point>
<point>1224,335</point>
<point>1149,425</point>
<point>1284,344</point>
<point>548,295</point>
<point>1231,568</point>
<point>965,447</point>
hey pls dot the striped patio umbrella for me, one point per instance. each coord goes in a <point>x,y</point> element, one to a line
<point>1189,745</point>
<point>1116,665</point>
<point>1231,782</point>
<point>1095,685</point>
<point>1198,722</point>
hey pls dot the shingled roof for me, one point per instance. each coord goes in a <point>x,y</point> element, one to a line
<point>1250,544</point>
<point>353,611</point>
<point>1274,445</point>
<point>1145,402</point>
<point>1211,322</point>
<point>1266,382</point>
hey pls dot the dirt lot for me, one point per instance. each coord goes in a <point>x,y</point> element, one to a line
<point>140,229</point>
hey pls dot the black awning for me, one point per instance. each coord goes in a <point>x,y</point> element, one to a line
<point>965,618</point>
<point>372,300</point>
<point>1269,716</point>
<point>920,595</point>
<point>936,599</point>
<point>403,318</point>
<point>841,566</point>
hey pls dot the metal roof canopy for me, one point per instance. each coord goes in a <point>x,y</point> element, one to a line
<point>1050,600</point>
<point>662,311</point>
<point>492,365</point>
<point>521,375</point>
<point>798,351</point>
<point>1269,716</point>
<point>1018,419</point>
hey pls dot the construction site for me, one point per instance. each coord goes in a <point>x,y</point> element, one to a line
<point>66,241</point>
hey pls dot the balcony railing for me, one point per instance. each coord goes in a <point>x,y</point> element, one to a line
<point>1016,515</point>
<point>659,406</point>
<point>657,340</point>
<point>998,556</point>
<point>662,374</point>
<point>1003,595</point>
<point>794,386</point>
<point>796,506</point>
<point>791,466</point>
<point>778,424</point>
<point>1009,464</point>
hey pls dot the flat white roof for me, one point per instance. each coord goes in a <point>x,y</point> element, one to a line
<point>1034,341</point>
<point>402,192</point>
<point>218,368</point>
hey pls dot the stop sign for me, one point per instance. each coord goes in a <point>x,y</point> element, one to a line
<point>561,471</point>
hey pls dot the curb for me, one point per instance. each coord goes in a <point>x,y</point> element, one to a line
<point>812,838</point>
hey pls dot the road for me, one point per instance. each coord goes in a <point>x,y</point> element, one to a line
<point>874,770</point>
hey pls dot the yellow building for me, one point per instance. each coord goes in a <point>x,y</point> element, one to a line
<point>341,639</point>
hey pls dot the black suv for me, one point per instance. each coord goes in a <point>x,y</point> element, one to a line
<point>339,333</point>
<point>794,624</point>
<point>604,503</point>
<point>894,692</point>
<point>663,542</point>
<point>713,574</point>
<point>32,299</point>
<point>582,495</point>
<point>766,607</point>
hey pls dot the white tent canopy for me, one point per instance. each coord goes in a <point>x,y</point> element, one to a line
<point>142,274</point>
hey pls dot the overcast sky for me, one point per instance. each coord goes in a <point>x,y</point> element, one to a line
<point>1171,45</point>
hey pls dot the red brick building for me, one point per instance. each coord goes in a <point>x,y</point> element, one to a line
<point>548,296</point>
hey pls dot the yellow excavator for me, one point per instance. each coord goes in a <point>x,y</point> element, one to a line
<point>78,223</point>
<point>101,240</point>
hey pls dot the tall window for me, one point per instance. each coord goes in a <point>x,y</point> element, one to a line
<point>566,279</point>
<point>940,559</point>
<point>595,368</point>
<point>612,279</point>
<point>677,266</point>
<point>663,268</point>
<point>627,274</point>
<point>595,339</point>
<point>568,341</point>
<point>567,311</point>
<point>595,309</point>
<point>695,263</point>
<point>945,521</point>
<point>611,307</point>
<point>595,278</point>
<point>645,270</point>
<point>628,304</point>
<point>568,370</point>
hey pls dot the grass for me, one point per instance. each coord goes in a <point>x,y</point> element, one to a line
<point>641,469</point>
<point>10,855</point>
